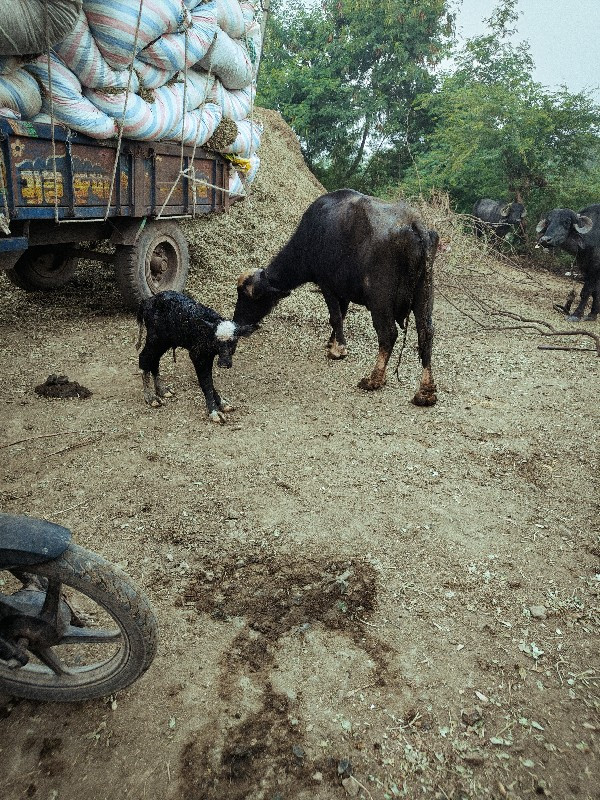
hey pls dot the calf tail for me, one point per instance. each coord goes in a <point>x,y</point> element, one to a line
<point>140,321</point>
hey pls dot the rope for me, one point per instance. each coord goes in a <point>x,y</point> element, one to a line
<point>122,122</point>
<point>403,345</point>
<point>4,190</point>
<point>185,172</point>
<point>52,131</point>
<point>185,87</point>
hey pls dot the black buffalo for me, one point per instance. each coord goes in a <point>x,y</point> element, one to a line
<point>356,249</point>
<point>577,233</point>
<point>498,217</point>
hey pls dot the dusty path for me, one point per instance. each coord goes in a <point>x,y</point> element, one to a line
<point>345,582</point>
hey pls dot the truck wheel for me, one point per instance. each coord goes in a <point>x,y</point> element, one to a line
<point>157,262</point>
<point>41,267</point>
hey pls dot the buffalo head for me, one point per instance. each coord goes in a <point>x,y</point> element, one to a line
<point>563,228</point>
<point>256,297</point>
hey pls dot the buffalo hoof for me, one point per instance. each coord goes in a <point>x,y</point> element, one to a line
<point>370,385</point>
<point>425,396</point>
<point>574,318</point>
<point>217,416</point>
<point>591,318</point>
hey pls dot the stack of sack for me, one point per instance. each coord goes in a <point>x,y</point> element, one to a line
<point>174,70</point>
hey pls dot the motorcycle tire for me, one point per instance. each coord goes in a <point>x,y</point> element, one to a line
<point>132,644</point>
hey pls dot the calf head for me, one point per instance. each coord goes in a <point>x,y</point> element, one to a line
<point>227,334</point>
<point>256,297</point>
<point>563,228</point>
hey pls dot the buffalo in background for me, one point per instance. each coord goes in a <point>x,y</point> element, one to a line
<point>499,218</point>
<point>577,233</point>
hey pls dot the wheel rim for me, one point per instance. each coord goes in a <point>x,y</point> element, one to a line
<point>47,265</point>
<point>161,265</point>
<point>63,655</point>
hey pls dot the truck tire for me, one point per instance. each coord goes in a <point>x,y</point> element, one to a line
<point>42,268</point>
<point>157,262</point>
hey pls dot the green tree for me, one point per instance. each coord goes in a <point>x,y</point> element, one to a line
<point>498,133</point>
<point>344,74</point>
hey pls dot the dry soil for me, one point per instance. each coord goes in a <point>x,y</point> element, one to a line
<point>357,597</point>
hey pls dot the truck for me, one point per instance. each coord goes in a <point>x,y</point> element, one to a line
<point>65,197</point>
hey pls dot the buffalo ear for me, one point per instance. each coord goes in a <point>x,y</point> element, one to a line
<point>246,330</point>
<point>249,281</point>
<point>583,224</point>
<point>523,213</point>
<point>505,210</point>
<point>540,226</point>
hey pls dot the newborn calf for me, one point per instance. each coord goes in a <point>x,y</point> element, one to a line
<point>174,320</point>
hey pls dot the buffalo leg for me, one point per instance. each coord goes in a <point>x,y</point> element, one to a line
<point>214,404</point>
<point>336,346</point>
<point>588,290</point>
<point>423,311</point>
<point>584,296</point>
<point>387,333</point>
<point>595,309</point>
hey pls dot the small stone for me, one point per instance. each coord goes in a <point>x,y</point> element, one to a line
<point>475,759</point>
<point>352,786</point>
<point>537,612</point>
<point>344,768</point>
<point>317,777</point>
<point>298,751</point>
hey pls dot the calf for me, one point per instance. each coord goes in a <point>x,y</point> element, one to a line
<point>361,250</point>
<point>174,320</point>
<point>579,235</point>
<point>498,217</point>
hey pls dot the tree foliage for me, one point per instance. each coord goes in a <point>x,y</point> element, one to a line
<point>497,133</point>
<point>344,73</point>
<point>360,84</point>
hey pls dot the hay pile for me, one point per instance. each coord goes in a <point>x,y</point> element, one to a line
<point>248,236</point>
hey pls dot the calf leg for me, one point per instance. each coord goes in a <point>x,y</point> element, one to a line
<point>336,346</point>
<point>149,360</point>
<point>423,309</point>
<point>214,403</point>
<point>387,333</point>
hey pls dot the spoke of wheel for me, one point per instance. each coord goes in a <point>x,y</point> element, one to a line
<point>51,602</point>
<point>48,657</point>
<point>89,636</point>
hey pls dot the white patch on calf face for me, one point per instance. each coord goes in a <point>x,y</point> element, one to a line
<point>226,330</point>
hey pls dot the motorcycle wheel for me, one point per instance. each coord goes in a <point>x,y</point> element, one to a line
<point>88,631</point>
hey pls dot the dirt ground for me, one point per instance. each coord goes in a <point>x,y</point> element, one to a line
<point>357,597</point>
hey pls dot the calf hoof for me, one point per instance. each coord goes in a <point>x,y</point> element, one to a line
<point>217,416</point>
<point>336,351</point>
<point>165,391</point>
<point>226,406</point>
<point>153,400</point>
<point>371,385</point>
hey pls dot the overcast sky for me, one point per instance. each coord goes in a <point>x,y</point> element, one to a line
<point>563,36</point>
